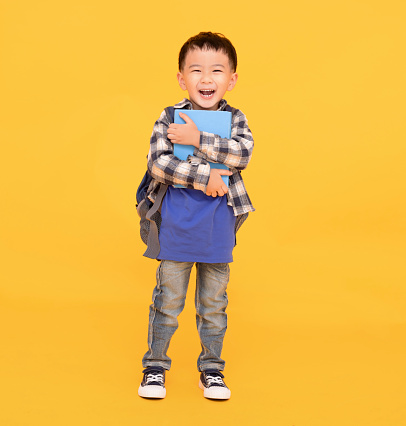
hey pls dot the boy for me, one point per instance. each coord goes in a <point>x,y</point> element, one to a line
<point>199,221</point>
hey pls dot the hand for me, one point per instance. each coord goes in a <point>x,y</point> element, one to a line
<point>184,134</point>
<point>216,186</point>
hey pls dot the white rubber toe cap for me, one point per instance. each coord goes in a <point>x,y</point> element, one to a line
<point>215,392</point>
<point>152,391</point>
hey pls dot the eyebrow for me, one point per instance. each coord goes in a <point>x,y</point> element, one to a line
<point>200,66</point>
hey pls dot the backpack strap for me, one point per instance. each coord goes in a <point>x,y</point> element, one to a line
<point>230,109</point>
<point>170,113</point>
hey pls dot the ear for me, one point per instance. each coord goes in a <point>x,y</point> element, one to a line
<point>181,80</point>
<point>233,81</point>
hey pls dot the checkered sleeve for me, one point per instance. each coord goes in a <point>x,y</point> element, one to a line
<point>235,152</point>
<point>166,168</point>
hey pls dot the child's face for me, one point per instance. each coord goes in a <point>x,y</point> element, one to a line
<point>206,76</point>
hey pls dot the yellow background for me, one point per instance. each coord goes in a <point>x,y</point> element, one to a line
<point>317,318</point>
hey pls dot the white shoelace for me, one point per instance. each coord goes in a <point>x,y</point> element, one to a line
<point>214,379</point>
<point>155,378</point>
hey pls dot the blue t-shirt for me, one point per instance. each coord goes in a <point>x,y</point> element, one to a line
<point>196,227</point>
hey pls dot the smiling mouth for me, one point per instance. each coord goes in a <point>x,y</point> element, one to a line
<point>206,93</point>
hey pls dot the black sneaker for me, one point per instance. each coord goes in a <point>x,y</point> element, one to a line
<point>153,383</point>
<point>212,383</point>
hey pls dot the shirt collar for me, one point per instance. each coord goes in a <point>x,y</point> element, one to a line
<point>186,104</point>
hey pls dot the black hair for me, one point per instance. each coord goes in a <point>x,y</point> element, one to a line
<point>209,41</point>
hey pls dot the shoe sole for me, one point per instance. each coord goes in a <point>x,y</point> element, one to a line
<point>215,392</point>
<point>152,391</point>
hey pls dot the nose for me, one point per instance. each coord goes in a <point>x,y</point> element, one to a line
<point>206,77</point>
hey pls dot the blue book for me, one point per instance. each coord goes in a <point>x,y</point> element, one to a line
<point>217,122</point>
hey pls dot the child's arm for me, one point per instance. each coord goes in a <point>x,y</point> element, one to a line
<point>166,168</point>
<point>234,153</point>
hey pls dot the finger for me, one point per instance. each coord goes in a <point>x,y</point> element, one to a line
<point>173,126</point>
<point>186,118</point>
<point>171,132</point>
<point>220,192</point>
<point>224,172</point>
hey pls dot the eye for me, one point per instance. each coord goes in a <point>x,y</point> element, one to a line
<point>195,70</point>
<point>218,71</point>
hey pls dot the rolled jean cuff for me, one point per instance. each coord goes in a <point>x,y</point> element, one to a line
<point>156,364</point>
<point>212,366</point>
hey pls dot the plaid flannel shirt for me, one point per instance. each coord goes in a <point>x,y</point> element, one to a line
<point>194,173</point>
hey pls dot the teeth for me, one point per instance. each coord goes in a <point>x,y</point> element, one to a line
<point>206,93</point>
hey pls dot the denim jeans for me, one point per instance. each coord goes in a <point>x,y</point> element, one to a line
<point>168,300</point>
